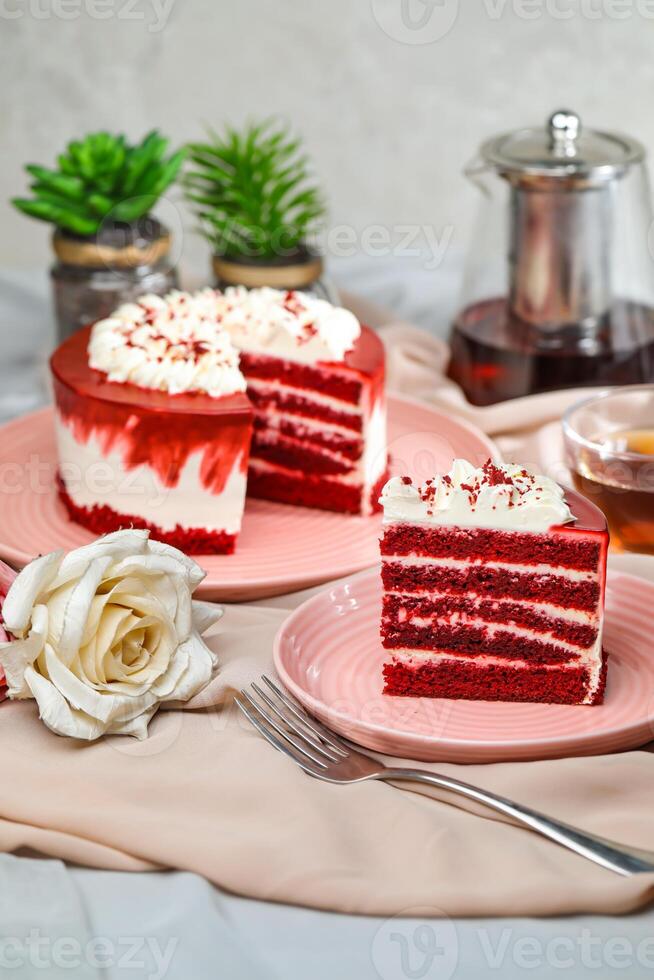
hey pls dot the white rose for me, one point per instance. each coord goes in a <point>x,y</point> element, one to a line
<point>106,633</point>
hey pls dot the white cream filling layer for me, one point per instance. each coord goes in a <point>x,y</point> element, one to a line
<point>573,575</point>
<point>547,608</point>
<point>93,478</point>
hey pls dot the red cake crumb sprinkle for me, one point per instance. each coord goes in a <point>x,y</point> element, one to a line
<point>494,476</point>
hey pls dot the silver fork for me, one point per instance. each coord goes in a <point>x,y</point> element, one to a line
<point>324,755</point>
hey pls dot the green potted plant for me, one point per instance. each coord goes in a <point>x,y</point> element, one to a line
<point>258,206</point>
<point>108,246</point>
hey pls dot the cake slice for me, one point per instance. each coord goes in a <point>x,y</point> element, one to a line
<point>153,425</point>
<point>315,378</point>
<point>493,588</point>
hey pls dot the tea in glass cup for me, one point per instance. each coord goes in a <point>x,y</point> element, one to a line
<point>609,441</point>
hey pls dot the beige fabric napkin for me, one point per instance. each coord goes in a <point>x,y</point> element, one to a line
<point>205,793</point>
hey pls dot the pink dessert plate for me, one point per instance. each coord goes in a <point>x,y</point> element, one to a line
<point>280,548</point>
<point>329,655</point>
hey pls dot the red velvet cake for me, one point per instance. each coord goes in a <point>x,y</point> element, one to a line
<point>315,378</point>
<point>153,425</point>
<point>493,588</point>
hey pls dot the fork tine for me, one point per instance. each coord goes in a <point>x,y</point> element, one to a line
<point>277,743</point>
<point>298,743</point>
<point>318,729</point>
<point>284,716</point>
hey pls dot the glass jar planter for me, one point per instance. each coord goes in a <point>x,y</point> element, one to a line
<point>304,270</point>
<point>93,276</point>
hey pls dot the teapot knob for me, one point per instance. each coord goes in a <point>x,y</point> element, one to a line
<point>564,128</point>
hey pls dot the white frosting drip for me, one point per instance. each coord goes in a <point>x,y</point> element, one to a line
<point>471,497</point>
<point>293,326</point>
<point>170,343</point>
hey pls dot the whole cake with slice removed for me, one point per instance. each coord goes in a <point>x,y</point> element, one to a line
<point>494,583</point>
<point>160,407</point>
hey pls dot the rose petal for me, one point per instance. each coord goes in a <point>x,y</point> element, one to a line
<point>17,655</point>
<point>116,546</point>
<point>195,574</point>
<point>166,685</point>
<point>78,694</point>
<point>202,665</point>
<point>25,590</point>
<point>57,714</point>
<point>78,607</point>
<point>205,614</point>
<point>169,582</point>
<point>105,708</point>
<point>137,727</point>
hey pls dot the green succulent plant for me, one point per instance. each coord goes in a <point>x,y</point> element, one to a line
<point>253,191</point>
<point>101,176</point>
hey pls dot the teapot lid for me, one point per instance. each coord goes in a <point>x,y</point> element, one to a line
<point>562,149</point>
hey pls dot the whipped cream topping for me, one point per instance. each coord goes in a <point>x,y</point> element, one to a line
<point>172,343</point>
<point>291,325</point>
<point>507,497</point>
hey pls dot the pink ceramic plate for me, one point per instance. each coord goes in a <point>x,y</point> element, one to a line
<point>280,548</point>
<point>329,655</point>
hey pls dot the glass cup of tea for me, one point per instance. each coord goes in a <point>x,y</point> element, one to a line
<point>609,444</point>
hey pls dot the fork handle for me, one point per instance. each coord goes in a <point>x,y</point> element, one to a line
<point>607,853</point>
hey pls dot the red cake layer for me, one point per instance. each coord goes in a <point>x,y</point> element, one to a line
<point>291,487</point>
<point>580,551</point>
<point>295,455</point>
<point>332,381</point>
<point>397,609</point>
<point>496,583</point>
<point>349,446</point>
<point>459,679</point>
<point>475,640</point>
<point>293,403</point>
<point>192,540</point>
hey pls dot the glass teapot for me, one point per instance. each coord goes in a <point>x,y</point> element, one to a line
<point>559,283</point>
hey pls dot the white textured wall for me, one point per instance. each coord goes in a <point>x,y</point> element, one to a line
<point>390,122</point>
